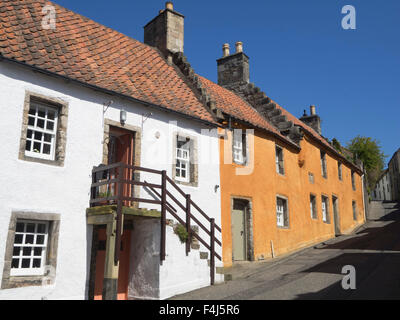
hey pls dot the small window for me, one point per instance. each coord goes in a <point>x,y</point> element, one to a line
<point>323,165</point>
<point>353,180</point>
<point>282,215</point>
<point>325,209</point>
<point>280,168</point>
<point>182,166</point>
<point>29,250</point>
<point>340,171</point>
<point>354,204</point>
<point>239,147</point>
<point>313,206</point>
<point>41,131</point>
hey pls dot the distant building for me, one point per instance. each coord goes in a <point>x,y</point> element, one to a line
<point>394,172</point>
<point>383,190</point>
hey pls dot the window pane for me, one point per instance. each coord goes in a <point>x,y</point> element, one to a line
<point>38,136</point>
<point>36,263</point>
<point>36,147</point>
<point>29,239</point>
<point>40,123</point>
<point>28,145</point>
<point>16,251</point>
<point>18,238</point>
<point>50,125</point>
<point>32,111</point>
<point>29,134</point>
<point>40,240</point>
<point>15,263</point>
<point>31,121</point>
<point>50,114</point>
<point>46,148</point>
<point>41,113</point>
<point>30,227</point>
<point>20,227</point>
<point>41,228</point>
<point>47,137</point>
<point>37,251</point>
<point>27,251</point>
<point>25,263</point>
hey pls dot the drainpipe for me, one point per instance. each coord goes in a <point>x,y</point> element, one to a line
<point>363,197</point>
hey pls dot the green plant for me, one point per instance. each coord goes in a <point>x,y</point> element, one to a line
<point>104,194</point>
<point>181,232</point>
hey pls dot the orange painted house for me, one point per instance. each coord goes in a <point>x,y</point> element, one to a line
<point>283,185</point>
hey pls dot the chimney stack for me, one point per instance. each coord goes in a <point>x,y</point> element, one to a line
<point>166,31</point>
<point>225,50</point>
<point>313,120</point>
<point>233,69</point>
<point>239,47</point>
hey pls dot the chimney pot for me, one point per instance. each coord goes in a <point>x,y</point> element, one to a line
<point>239,47</point>
<point>169,5</point>
<point>225,50</point>
<point>312,110</point>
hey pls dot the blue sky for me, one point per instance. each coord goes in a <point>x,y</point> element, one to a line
<point>299,54</point>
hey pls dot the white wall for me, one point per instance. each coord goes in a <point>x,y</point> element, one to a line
<point>27,186</point>
<point>383,189</point>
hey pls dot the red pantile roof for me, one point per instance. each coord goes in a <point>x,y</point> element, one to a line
<point>84,50</point>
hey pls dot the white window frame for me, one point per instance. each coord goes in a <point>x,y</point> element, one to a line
<point>282,214</point>
<point>313,207</point>
<point>30,271</point>
<point>325,208</point>
<point>324,165</point>
<point>279,161</point>
<point>42,131</point>
<point>239,146</point>
<point>182,156</point>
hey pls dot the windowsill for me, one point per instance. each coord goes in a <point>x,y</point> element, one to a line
<point>242,164</point>
<point>187,184</point>
<point>22,281</point>
<point>54,163</point>
<point>283,228</point>
<point>281,175</point>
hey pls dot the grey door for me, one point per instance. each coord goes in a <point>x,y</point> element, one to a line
<point>239,231</point>
<point>336,218</point>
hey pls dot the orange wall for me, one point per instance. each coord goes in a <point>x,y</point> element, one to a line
<point>264,184</point>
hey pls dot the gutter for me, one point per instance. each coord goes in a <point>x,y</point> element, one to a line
<point>106,91</point>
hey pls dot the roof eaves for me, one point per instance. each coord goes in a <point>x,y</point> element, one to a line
<point>107,91</point>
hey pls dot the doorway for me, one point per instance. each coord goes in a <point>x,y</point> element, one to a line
<point>240,230</point>
<point>336,218</point>
<point>121,147</point>
<point>123,273</point>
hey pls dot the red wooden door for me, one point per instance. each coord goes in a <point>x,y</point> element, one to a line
<point>123,273</point>
<point>121,149</point>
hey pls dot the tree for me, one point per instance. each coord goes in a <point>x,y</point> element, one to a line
<point>369,151</point>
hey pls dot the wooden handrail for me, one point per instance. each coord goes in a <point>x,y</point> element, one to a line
<point>166,206</point>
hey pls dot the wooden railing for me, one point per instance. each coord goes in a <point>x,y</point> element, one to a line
<point>119,181</point>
